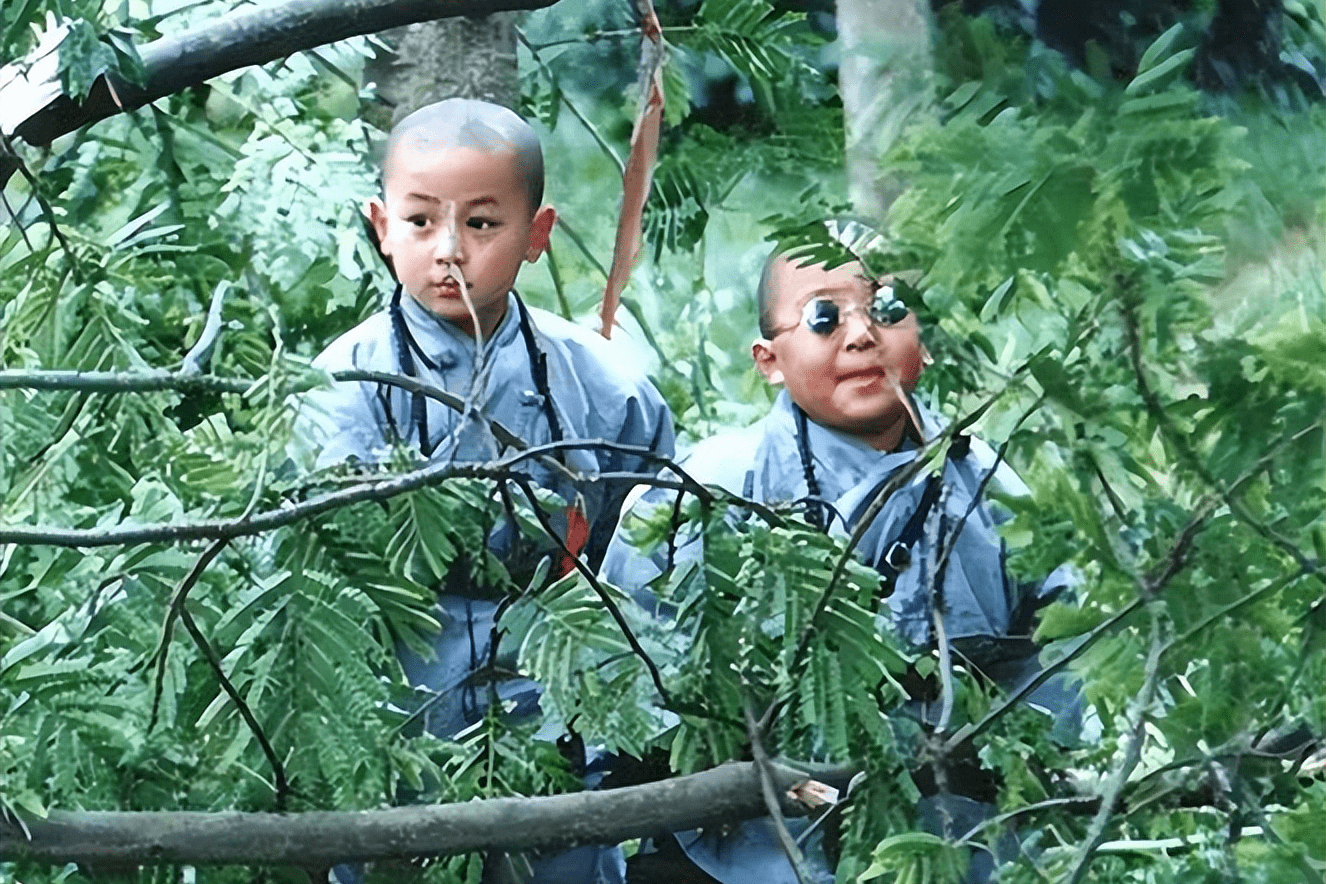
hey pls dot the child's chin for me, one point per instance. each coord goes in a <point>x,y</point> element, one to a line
<point>442,307</point>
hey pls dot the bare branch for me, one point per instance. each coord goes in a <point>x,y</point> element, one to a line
<point>725,794</point>
<point>969,732</point>
<point>571,106</point>
<point>1132,754</point>
<point>763,765</point>
<point>173,611</point>
<point>362,490</point>
<point>214,661</point>
<point>14,163</point>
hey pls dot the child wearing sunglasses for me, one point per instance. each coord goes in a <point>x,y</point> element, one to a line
<point>847,354</point>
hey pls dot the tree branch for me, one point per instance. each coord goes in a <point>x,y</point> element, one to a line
<point>724,794</point>
<point>168,627</point>
<point>1189,455</point>
<point>247,36</point>
<point>588,574</point>
<point>360,492</point>
<point>1149,587</point>
<point>1132,754</point>
<point>767,789</point>
<point>214,661</point>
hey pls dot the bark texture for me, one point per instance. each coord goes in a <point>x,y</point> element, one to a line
<point>453,58</point>
<point>112,839</point>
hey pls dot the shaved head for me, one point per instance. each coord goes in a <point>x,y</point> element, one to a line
<point>478,125</point>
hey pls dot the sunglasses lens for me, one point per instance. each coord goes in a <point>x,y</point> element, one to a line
<point>887,310</point>
<point>821,316</point>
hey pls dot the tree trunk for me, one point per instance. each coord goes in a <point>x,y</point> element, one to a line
<point>886,78</point>
<point>452,58</point>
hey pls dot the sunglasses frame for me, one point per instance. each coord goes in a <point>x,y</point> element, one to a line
<point>892,311</point>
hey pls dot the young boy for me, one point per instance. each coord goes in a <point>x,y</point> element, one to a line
<point>461,209</point>
<point>848,354</point>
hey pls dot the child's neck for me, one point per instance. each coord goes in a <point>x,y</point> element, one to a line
<point>464,327</point>
<point>887,439</point>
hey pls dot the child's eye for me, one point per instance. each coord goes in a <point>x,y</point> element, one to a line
<point>482,223</point>
<point>418,220</point>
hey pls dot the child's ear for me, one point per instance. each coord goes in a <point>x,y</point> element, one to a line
<point>376,213</point>
<point>540,232</point>
<point>766,361</point>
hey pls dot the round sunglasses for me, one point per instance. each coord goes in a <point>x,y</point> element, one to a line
<point>823,316</point>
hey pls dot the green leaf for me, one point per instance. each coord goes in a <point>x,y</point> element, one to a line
<point>1158,48</point>
<point>1059,621</point>
<point>1150,77</point>
<point>83,58</point>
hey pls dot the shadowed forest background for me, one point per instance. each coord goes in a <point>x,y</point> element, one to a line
<point>1110,221</point>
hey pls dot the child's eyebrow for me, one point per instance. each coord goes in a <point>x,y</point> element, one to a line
<point>424,197</point>
<point>828,291</point>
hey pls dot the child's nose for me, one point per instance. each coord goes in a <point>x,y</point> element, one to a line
<point>448,248</point>
<point>859,331</point>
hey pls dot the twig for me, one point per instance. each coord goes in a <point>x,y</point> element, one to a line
<point>563,305</point>
<point>209,653</point>
<point>982,485</point>
<point>937,534</point>
<point>904,475</point>
<point>762,765</point>
<point>969,732</point>
<point>160,380</point>
<point>1253,804</point>
<point>47,212</point>
<point>1132,755</point>
<point>1148,588</point>
<point>1269,589</point>
<point>570,105</point>
<point>4,200</point>
<point>201,352</point>
<point>168,626</point>
<point>1157,411</point>
<point>585,250</point>
<point>1047,804</point>
<point>586,572</point>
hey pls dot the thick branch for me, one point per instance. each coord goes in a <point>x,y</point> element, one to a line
<point>725,794</point>
<point>247,36</point>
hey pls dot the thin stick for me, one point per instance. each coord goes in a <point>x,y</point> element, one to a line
<point>762,764</point>
<point>586,572</point>
<point>168,626</point>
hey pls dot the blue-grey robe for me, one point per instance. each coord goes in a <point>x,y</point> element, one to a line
<point>763,463</point>
<point>598,395</point>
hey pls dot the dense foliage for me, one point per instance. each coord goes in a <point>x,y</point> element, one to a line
<point>1121,280</point>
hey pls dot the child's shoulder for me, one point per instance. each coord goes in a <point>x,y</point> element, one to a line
<point>587,354</point>
<point>367,345</point>
<point>727,458</point>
